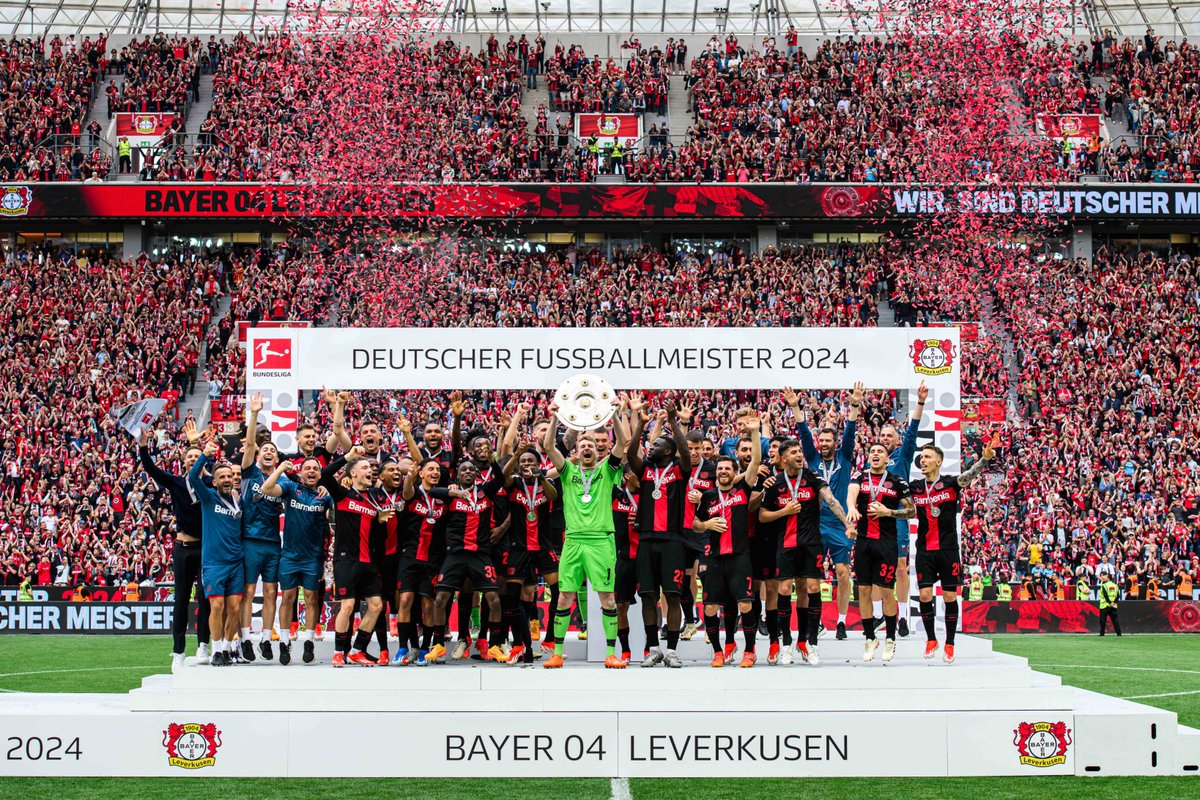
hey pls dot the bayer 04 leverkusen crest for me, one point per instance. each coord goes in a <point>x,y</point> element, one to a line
<point>15,200</point>
<point>932,356</point>
<point>191,745</point>
<point>1042,744</point>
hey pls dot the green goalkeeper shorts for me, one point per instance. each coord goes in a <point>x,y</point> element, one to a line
<point>593,559</point>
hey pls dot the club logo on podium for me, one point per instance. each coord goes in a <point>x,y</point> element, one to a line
<point>191,745</point>
<point>1042,744</point>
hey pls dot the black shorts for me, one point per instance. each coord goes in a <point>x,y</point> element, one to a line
<point>460,567</point>
<point>875,562</point>
<point>691,554</point>
<point>797,562</point>
<point>626,581</point>
<point>728,579</point>
<point>387,566</point>
<point>516,566</point>
<point>415,576</point>
<point>762,556</point>
<point>356,580</point>
<point>660,567</point>
<point>545,562</point>
<point>939,566</point>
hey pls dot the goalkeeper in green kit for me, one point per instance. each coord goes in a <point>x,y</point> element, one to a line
<point>589,548</point>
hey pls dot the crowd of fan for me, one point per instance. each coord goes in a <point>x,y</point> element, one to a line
<point>1100,468</point>
<point>81,335</point>
<point>159,74</point>
<point>45,93</point>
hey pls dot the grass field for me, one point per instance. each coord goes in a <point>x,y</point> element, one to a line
<point>1156,670</point>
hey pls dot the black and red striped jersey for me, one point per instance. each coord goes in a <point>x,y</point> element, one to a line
<point>423,535</point>
<point>624,508</point>
<point>938,532</point>
<point>703,478</point>
<point>734,506</point>
<point>469,520</point>
<point>661,517</point>
<point>389,532</point>
<point>443,457</point>
<point>354,516</point>
<point>526,500</point>
<point>802,529</point>
<point>889,489</point>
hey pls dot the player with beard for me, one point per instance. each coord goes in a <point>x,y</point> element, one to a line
<point>479,451</point>
<point>936,497</point>
<point>260,533</point>
<point>793,506</point>
<point>222,561</point>
<point>624,508</point>
<point>762,555</point>
<point>557,527</point>
<point>469,541</point>
<point>703,478</point>
<point>900,461</point>
<point>531,495</point>
<point>834,464</point>
<point>724,517</point>
<point>387,496</point>
<point>422,548</point>
<point>185,555</point>
<point>306,507</point>
<point>355,575</point>
<point>434,440</point>
<point>877,499</point>
<point>589,546</point>
<point>661,558</point>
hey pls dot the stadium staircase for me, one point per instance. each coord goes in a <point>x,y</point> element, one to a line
<point>198,402</point>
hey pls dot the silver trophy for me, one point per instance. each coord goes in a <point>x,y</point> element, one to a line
<point>585,402</point>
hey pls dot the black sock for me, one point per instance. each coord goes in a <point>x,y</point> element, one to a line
<point>951,621</point>
<point>889,624</point>
<point>428,635</point>
<point>405,633</point>
<point>688,601</point>
<point>381,632</point>
<point>869,626</point>
<point>784,610</point>
<point>651,636</point>
<point>623,636</point>
<point>464,616</point>
<point>553,610</point>
<point>362,640</point>
<point>713,626</point>
<point>531,611</point>
<point>757,607</point>
<point>927,619</point>
<point>773,624</point>
<point>814,616</point>
<point>672,639</point>
<point>341,642</point>
<point>609,612</point>
<point>749,629</point>
<point>730,612</point>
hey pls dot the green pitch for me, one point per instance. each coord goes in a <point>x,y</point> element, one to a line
<point>1155,670</point>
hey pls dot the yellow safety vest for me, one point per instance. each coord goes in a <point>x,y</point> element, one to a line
<point>1004,593</point>
<point>1109,594</point>
<point>826,592</point>
<point>975,592</point>
<point>1083,591</point>
<point>124,148</point>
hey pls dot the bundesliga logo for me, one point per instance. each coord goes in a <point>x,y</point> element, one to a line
<point>932,356</point>
<point>1042,744</point>
<point>15,200</point>
<point>191,746</point>
<point>273,354</point>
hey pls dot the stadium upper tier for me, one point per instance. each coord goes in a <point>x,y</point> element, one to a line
<point>509,108</point>
<point>686,17</point>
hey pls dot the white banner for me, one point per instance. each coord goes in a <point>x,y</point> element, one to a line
<point>283,361</point>
<point>136,416</point>
<point>631,358</point>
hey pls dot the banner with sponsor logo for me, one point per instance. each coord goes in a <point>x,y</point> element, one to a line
<point>144,129</point>
<point>625,128</point>
<point>760,201</point>
<point>1079,616</point>
<point>1079,127</point>
<point>97,592</point>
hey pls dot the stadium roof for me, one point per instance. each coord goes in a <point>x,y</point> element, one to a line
<point>645,17</point>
